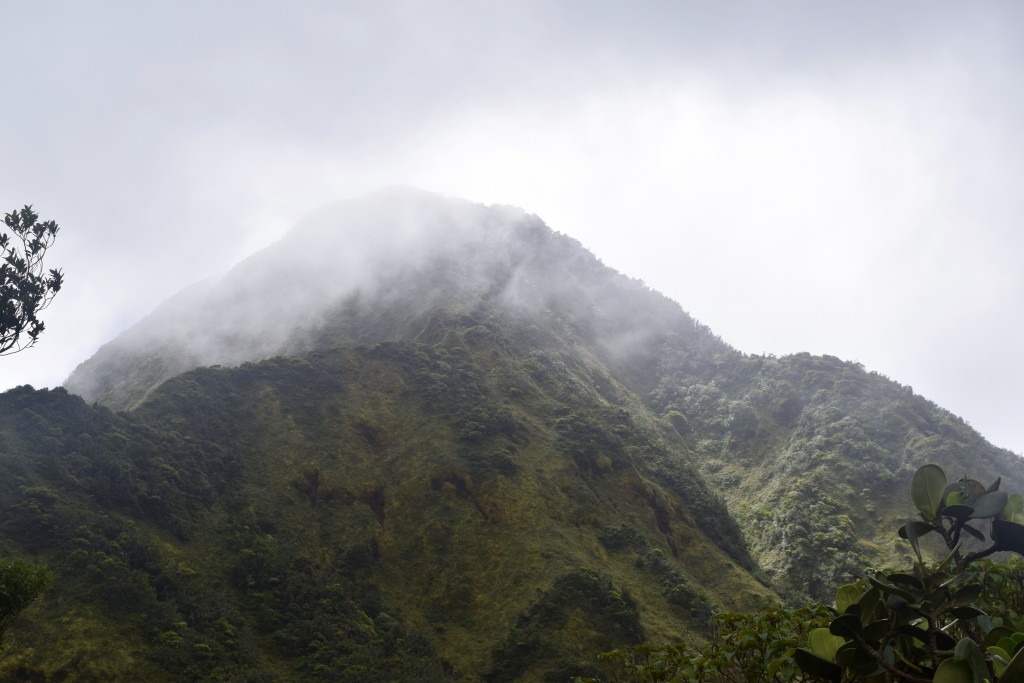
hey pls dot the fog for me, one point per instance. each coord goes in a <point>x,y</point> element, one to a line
<point>386,251</point>
<point>799,177</point>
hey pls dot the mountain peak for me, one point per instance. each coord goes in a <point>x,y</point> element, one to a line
<point>469,417</point>
<point>402,255</point>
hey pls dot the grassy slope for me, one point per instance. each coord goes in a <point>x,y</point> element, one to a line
<point>532,388</point>
<point>815,455</point>
<point>498,504</point>
<point>507,518</point>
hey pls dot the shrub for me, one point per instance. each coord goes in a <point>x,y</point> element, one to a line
<point>956,620</point>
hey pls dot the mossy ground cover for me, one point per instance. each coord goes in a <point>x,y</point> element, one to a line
<point>811,454</point>
<point>365,512</point>
<point>361,513</point>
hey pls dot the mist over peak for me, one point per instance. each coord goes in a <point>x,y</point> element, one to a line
<point>374,268</point>
<point>431,363</point>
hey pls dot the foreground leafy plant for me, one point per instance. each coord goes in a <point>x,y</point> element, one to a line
<point>744,648</point>
<point>925,625</point>
<point>958,620</point>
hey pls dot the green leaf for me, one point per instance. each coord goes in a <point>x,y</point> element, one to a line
<point>814,665</point>
<point>966,595</point>
<point>921,528</point>
<point>877,630</point>
<point>890,590</point>
<point>952,671</point>
<point>961,513</point>
<point>895,602</point>
<point>911,531</point>
<point>1008,535</point>
<point>976,487</point>
<point>989,505</point>
<point>967,651</point>
<point>997,635</point>
<point>852,657</point>
<point>963,492</point>
<point>868,604</point>
<point>845,626</point>
<point>1010,643</point>
<point>908,580</point>
<point>1015,669</point>
<point>824,644</point>
<point>949,558</point>
<point>1014,508</point>
<point>846,595</point>
<point>927,488</point>
<point>942,639</point>
<point>967,612</point>
<point>1000,658</point>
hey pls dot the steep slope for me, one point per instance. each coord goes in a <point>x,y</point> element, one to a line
<point>770,433</point>
<point>475,385</point>
<point>814,456</point>
<point>458,510</point>
<point>375,269</point>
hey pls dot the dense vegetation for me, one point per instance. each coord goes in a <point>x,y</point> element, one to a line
<point>378,512</point>
<point>490,461</point>
<point>813,456</point>
<point>958,619</point>
<point>786,442</point>
<point>26,290</point>
<point>26,286</point>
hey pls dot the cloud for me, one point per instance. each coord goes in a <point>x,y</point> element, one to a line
<point>835,178</point>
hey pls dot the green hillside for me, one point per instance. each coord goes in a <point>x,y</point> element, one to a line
<point>483,457</point>
<point>400,507</point>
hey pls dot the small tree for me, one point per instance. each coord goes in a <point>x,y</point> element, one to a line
<point>926,625</point>
<point>26,288</point>
<point>957,620</point>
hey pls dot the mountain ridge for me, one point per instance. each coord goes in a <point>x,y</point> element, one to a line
<point>477,454</point>
<point>474,252</point>
<point>459,258</point>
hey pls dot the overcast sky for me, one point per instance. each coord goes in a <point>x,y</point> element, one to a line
<point>839,178</point>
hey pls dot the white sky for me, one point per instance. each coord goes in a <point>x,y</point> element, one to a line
<point>837,178</point>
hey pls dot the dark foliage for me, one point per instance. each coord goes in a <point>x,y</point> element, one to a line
<point>532,644</point>
<point>26,287</point>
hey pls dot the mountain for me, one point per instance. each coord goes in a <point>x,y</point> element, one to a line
<point>424,439</point>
